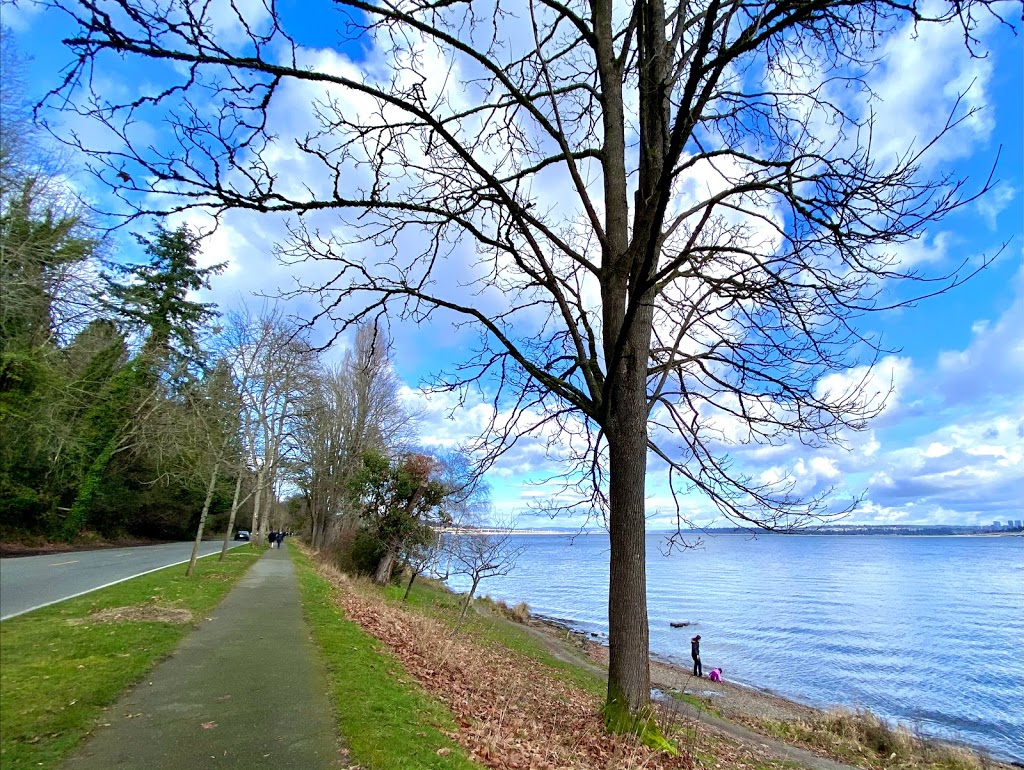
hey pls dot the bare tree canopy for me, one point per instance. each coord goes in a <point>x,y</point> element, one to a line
<point>678,212</point>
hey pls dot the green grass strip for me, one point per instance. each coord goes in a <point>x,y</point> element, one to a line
<point>387,722</point>
<point>60,670</point>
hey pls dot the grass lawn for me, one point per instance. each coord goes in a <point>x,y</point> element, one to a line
<point>62,664</point>
<point>387,721</point>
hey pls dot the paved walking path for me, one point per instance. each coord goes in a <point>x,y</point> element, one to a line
<point>247,690</point>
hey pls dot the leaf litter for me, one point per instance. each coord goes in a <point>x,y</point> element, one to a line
<point>512,712</point>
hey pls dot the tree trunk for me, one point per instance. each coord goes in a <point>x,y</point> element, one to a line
<point>469,599</point>
<point>315,526</point>
<point>629,675</point>
<point>408,588</point>
<point>231,518</point>
<point>254,533</point>
<point>387,565</point>
<point>202,521</point>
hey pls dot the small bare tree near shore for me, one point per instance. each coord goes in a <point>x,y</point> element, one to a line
<point>423,557</point>
<point>479,556</point>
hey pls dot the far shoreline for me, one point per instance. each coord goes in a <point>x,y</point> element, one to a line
<point>572,533</point>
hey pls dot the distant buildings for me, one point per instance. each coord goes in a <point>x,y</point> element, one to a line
<point>1009,526</point>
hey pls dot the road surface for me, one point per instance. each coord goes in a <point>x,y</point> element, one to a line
<point>30,582</point>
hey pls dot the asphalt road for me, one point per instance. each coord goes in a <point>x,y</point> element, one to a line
<point>30,582</point>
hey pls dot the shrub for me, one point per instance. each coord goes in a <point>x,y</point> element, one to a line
<point>364,555</point>
<point>521,612</point>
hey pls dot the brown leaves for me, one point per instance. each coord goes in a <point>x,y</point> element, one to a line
<point>511,711</point>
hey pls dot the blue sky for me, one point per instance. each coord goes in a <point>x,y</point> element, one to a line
<point>949,447</point>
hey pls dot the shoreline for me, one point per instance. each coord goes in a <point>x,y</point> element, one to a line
<point>670,674</point>
<point>747,704</point>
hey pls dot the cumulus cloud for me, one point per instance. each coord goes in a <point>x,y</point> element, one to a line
<point>992,366</point>
<point>925,69</point>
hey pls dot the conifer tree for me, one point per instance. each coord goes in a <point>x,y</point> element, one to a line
<point>152,298</point>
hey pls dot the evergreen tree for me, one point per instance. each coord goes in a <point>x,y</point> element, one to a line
<point>152,298</point>
<point>44,248</point>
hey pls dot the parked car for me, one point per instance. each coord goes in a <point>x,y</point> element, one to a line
<point>242,534</point>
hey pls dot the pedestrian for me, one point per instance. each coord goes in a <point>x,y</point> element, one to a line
<point>715,675</point>
<point>272,539</point>
<point>695,654</point>
<point>280,539</point>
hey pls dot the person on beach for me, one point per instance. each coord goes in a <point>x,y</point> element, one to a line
<point>695,654</point>
<point>715,675</point>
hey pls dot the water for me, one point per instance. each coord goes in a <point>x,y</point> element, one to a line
<point>927,631</point>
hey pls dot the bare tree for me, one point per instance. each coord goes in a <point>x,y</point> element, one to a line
<point>217,414</point>
<point>272,365</point>
<point>719,224</point>
<point>345,412</point>
<point>423,557</point>
<point>483,554</point>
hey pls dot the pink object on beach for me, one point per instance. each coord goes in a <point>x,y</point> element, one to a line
<point>715,675</point>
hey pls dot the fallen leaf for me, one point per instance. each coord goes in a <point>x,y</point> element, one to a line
<point>209,725</point>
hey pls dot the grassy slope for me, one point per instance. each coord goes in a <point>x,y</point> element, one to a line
<point>58,674</point>
<point>388,722</point>
<point>870,747</point>
<point>438,602</point>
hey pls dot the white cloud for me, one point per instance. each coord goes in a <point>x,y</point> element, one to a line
<point>993,204</point>
<point>925,68</point>
<point>992,366</point>
<point>20,16</point>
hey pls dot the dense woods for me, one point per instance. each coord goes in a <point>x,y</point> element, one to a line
<point>159,411</point>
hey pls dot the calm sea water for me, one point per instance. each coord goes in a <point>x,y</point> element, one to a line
<point>928,631</point>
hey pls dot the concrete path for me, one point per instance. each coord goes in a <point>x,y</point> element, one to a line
<point>30,582</point>
<point>247,690</point>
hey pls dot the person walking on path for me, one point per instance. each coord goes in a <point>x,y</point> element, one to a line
<point>695,654</point>
<point>272,539</point>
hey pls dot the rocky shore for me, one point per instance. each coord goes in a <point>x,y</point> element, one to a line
<point>734,703</point>
<point>731,700</point>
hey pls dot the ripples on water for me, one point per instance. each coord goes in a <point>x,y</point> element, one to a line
<point>927,631</point>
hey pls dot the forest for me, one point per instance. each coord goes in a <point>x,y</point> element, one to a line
<point>128,409</point>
